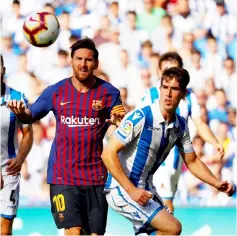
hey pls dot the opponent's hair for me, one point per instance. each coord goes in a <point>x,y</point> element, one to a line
<point>171,57</point>
<point>179,73</point>
<point>85,43</point>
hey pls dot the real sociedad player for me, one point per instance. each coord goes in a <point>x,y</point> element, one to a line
<point>12,154</point>
<point>139,146</point>
<point>82,106</point>
<point>167,176</point>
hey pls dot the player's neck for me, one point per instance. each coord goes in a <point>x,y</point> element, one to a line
<point>169,116</point>
<point>84,86</point>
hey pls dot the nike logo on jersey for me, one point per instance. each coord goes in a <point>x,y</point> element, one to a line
<point>64,103</point>
<point>136,115</point>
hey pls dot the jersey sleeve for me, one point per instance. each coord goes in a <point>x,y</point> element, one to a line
<point>130,127</point>
<point>43,104</point>
<point>117,105</point>
<point>194,105</point>
<point>184,143</point>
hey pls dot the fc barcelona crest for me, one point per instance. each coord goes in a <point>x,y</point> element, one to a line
<point>96,104</point>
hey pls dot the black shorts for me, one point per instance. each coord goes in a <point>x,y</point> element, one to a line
<point>73,206</point>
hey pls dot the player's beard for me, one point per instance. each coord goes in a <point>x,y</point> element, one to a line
<point>83,79</point>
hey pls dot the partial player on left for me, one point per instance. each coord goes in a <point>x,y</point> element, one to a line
<point>12,156</point>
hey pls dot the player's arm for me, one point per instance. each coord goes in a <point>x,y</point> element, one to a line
<point>203,129</point>
<point>112,163</point>
<point>129,129</point>
<point>197,167</point>
<point>15,164</point>
<point>117,112</point>
<point>207,135</point>
<point>37,110</point>
<point>21,111</point>
<point>201,171</point>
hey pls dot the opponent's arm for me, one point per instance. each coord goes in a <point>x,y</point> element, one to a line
<point>15,164</point>
<point>207,135</point>
<point>111,161</point>
<point>20,110</point>
<point>40,108</point>
<point>201,171</point>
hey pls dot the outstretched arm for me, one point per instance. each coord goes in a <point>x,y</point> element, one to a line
<point>201,171</point>
<point>207,135</point>
<point>20,110</point>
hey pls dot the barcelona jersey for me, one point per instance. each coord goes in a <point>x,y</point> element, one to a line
<point>75,156</point>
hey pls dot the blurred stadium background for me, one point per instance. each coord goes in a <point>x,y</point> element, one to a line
<point>130,36</point>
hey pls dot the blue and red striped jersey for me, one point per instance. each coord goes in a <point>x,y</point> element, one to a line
<point>75,156</point>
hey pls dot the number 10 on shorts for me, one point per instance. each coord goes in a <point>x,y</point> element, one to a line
<point>59,202</point>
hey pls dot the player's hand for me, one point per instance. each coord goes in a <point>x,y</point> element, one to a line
<point>140,196</point>
<point>220,150</point>
<point>225,187</point>
<point>14,166</point>
<point>116,118</point>
<point>17,107</point>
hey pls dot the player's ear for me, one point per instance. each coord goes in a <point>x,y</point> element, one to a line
<point>70,62</point>
<point>96,64</point>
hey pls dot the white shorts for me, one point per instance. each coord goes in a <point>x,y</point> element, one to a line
<point>9,196</point>
<point>140,216</point>
<point>165,179</point>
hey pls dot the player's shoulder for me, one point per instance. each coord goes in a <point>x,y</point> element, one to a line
<point>14,94</point>
<point>55,87</point>
<point>190,96</point>
<point>150,94</point>
<point>136,115</point>
<point>59,83</point>
<point>108,86</point>
<point>190,93</point>
<point>152,90</point>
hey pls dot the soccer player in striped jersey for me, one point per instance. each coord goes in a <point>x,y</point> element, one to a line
<point>82,106</point>
<point>167,176</point>
<point>12,156</point>
<point>138,147</point>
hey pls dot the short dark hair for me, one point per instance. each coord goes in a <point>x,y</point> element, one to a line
<point>179,73</point>
<point>146,43</point>
<point>171,56</point>
<point>132,13</point>
<point>85,43</point>
<point>62,52</point>
<point>17,2</point>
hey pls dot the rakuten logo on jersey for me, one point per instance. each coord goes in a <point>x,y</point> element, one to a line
<point>73,121</point>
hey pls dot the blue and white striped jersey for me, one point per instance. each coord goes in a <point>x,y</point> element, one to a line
<point>148,139</point>
<point>188,107</point>
<point>9,126</point>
